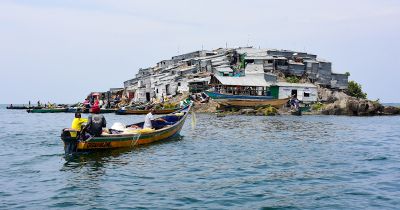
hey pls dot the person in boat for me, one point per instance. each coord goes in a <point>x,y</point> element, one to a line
<point>149,121</point>
<point>117,99</point>
<point>77,122</point>
<point>96,123</point>
<point>86,103</point>
<point>96,103</point>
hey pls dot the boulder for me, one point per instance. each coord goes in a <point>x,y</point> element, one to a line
<point>267,111</point>
<point>391,110</point>
<point>247,111</point>
<point>353,107</point>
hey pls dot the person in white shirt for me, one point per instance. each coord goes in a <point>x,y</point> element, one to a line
<point>149,118</point>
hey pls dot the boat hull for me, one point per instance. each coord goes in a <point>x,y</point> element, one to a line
<point>142,112</point>
<point>47,110</point>
<point>215,95</point>
<point>82,110</point>
<point>114,141</point>
<point>278,103</point>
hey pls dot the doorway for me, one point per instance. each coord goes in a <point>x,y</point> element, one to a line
<point>294,93</point>
<point>147,96</point>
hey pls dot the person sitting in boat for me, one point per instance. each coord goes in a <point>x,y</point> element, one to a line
<point>86,103</point>
<point>78,122</point>
<point>96,122</point>
<point>149,121</point>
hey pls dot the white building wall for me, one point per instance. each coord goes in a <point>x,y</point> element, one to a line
<point>285,92</point>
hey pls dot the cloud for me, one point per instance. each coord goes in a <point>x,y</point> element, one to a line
<point>70,41</point>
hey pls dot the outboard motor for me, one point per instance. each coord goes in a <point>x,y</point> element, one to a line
<point>70,138</point>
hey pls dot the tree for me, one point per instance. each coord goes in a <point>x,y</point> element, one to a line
<point>354,89</point>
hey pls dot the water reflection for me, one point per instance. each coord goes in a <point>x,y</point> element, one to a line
<point>100,158</point>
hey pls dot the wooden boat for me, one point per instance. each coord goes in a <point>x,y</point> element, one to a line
<point>23,107</point>
<point>17,107</point>
<point>278,103</point>
<point>175,121</point>
<point>45,110</point>
<point>84,110</point>
<point>215,95</point>
<point>141,112</point>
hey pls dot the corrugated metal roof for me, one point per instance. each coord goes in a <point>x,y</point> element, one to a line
<point>255,57</point>
<point>287,84</point>
<point>224,69</point>
<point>295,63</point>
<point>254,68</point>
<point>205,79</point>
<point>248,80</point>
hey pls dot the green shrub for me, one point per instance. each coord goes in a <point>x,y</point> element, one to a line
<point>354,89</point>
<point>292,79</point>
<point>317,106</point>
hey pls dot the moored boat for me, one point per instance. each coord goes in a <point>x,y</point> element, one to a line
<point>46,110</point>
<point>17,107</point>
<point>172,127</point>
<point>141,112</point>
<point>215,95</point>
<point>24,107</point>
<point>278,103</point>
<point>84,110</point>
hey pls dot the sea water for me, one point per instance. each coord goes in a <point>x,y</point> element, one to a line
<point>232,162</point>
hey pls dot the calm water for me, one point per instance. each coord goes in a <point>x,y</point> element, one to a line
<point>233,162</point>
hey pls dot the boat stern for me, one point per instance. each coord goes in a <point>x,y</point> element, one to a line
<point>70,138</point>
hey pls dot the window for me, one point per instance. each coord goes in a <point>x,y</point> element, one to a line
<point>306,94</point>
<point>179,84</point>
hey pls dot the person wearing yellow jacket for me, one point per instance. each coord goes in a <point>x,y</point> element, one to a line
<point>78,122</point>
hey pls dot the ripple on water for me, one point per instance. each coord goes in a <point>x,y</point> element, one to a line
<point>234,162</point>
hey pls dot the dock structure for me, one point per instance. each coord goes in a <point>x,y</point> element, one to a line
<point>196,71</point>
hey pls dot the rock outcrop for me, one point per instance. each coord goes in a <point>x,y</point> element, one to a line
<point>339,103</point>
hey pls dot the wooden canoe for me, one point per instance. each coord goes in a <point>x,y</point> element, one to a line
<point>278,103</point>
<point>55,110</point>
<point>141,112</point>
<point>84,110</point>
<point>175,122</point>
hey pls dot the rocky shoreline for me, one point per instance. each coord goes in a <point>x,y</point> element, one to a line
<point>331,102</point>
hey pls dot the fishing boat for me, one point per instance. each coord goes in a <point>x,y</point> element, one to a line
<point>23,107</point>
<point>84,110</point>
<point>47,110</point>
<point>141,112</point>
<point>278,103</point>
<point>17,107</point>
<point>216,95</point>
<point>173,125</point>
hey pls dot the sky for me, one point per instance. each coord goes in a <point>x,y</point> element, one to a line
<point>59,51</point>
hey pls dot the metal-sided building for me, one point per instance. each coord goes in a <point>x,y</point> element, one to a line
<point>305,92</point>
<point>339,81</point>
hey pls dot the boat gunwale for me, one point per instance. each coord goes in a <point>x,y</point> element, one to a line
<point>122,137</point>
